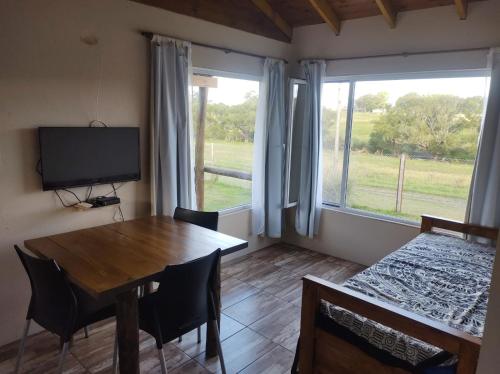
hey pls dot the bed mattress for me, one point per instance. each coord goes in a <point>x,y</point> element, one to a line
<point>442,277</point>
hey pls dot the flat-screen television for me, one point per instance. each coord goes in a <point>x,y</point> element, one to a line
<point>84,156</point>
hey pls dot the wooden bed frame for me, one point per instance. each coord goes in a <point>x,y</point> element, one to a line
<point>321,352</point>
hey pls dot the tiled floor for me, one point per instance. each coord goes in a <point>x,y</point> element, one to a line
<point>261,295</point>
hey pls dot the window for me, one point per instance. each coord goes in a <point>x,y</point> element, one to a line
<point>407,149</point>
<point>335,97</point>
<point>224,111</point>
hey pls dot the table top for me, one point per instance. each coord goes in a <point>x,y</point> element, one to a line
<point>114,258</point>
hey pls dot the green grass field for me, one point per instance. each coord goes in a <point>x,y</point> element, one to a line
<point>430,186</point>
<point>362,126</point>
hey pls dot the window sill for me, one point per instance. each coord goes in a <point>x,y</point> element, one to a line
<point>235,209</point>
<point>369,215</point>
<point>345,210</point>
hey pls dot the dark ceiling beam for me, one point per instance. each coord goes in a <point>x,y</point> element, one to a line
<point>281,24</point>
<point>326,12</point>
<point>461,6</point>
<point>387,10</point>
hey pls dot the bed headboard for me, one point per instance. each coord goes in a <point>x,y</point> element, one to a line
<point>429,222</point>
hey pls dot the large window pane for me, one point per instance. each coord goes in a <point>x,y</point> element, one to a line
<point>225,192</point>
<point>335,97</point>
<point>413,146</point>
<point>228,124</point>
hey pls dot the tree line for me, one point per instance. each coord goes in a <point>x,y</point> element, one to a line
<point>230,123</point>
<point>434,126</point>
<point>437,126</point>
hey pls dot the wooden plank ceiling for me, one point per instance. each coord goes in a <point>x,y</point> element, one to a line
<point>277,18</point>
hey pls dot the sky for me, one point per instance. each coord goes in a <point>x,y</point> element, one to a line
<point>463,87</point>
<point>232,91</point>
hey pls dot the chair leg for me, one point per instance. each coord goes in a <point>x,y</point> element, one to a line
<point>295,364</point>
<point>217,334</point>
<point>163,365</point>
<point>22,345</point>
<point>62,357</point>
<point>199,335</point>
<point>86,331</point>
<point>180,338</point>
<point>115,355</point>
<point>219,348</point>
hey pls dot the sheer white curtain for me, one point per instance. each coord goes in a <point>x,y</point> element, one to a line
<point>485,190</point>
<point>171,162</point>
<point>310,199</point>
<point>269,152</point>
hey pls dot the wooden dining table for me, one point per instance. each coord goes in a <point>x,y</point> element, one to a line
<point>114,260</point>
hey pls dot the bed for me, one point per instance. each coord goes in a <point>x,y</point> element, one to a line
<point>420,309</point>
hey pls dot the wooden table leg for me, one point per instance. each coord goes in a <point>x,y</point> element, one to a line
<point>211,344</point>
<point>128,332</point>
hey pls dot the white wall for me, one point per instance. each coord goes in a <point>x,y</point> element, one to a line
<point>353,237</point>
<point>48,76</point>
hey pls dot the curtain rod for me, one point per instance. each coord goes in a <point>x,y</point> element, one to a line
<point>149,35</point>
<point>402,54</point>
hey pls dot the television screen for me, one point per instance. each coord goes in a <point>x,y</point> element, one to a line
<point>84,156</point>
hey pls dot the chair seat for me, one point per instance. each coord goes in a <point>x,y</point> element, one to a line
<point>147,320</point>
<point>90,309</point>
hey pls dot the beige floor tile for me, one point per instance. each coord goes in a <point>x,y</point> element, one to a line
<point>277,361</point>
<point>240,350</point>
<point>253,308</point>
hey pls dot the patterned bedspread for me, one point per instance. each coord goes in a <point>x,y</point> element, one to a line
<point>442,277</point>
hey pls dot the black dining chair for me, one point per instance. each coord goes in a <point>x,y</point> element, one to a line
<point>184,301</point>
<point>209,220</point>
<point>57,305</point>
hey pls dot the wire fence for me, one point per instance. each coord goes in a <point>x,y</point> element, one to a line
<point>403,185</point>
<point>397,185</point>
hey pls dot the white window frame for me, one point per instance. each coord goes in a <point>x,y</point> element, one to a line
<point>289,139</point>
<point>227,74</point>
<point>352,80</point>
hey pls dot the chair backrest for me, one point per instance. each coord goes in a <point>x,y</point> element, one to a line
<point>53,304</point>
<point>209,220</point>
<point>183,300</point>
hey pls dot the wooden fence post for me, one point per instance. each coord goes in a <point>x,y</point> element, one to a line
<point>203,83</point>
<point>401,178</point>
<point>199,163</point>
